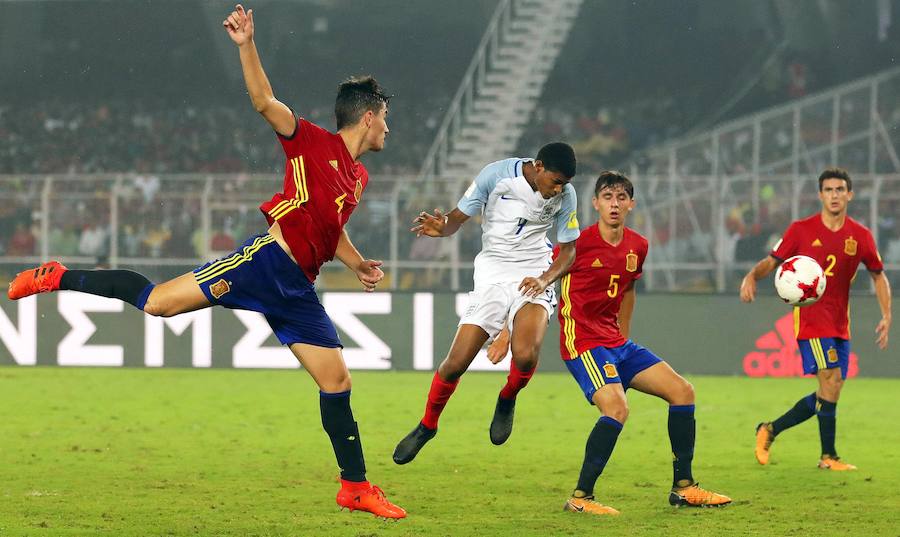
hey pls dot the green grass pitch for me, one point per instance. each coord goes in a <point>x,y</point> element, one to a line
<point>188,452</point>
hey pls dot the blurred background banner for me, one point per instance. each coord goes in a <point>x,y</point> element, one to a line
<point>127,140</point>
<point>697,334</point>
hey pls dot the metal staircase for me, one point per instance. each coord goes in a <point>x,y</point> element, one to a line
<point>501,87</point>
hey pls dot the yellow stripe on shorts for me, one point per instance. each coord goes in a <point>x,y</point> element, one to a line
<point>223,266</point>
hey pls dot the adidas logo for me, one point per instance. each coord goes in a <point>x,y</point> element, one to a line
<point>817,242</point>
<point>596,263</point>
<point>777,353</point>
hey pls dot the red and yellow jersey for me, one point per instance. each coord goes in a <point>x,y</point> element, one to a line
<point>322,187</point>
<point>592,291</point>
<point>839,253</point>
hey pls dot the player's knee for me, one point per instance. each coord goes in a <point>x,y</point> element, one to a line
<point>450,371</point>
<point>617,411</point>
<point>526,357</point>
<point>685,393</point>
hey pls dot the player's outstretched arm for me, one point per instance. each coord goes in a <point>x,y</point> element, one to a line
<point>367,270</point>
<point>438,224</point>
<point>239,25</point>
<point>883,294</point>
<point>535,286</point>
<point>758,272</point>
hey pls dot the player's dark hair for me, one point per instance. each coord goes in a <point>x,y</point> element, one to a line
<point>611,179</point>
<point>836,173</point>
<point>558,157</point>
<point>356,96</point>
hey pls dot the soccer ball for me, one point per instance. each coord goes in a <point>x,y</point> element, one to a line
<point>800,281</point>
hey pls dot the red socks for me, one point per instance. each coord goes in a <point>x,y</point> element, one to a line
<point>515,381</point>
<point>438,396</point>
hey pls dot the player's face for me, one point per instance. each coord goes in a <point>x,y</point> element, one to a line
<point>549,183</point>
<point>835,196</point>
<point>613,204</point>
<point>378,129</point>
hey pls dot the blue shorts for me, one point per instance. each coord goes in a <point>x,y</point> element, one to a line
<point>260,276</point>
<point>604,365</point>
<point>824,353</point>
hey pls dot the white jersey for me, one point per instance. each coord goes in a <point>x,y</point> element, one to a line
<point>516,219</point>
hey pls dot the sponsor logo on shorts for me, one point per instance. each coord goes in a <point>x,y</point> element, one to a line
<point>610,371</point>
<point>219,288</point>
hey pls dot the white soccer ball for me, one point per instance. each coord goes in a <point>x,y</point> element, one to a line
<point>800,281</point>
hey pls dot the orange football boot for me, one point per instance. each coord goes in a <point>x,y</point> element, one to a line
<point>694,496</point>
<point>588,505</point>
<point>764,439</point>
<point>835,464</point>
<point>367,497</point>
<point>42,279</point>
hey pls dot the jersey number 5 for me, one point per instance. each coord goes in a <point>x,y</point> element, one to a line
<point>613,285</point>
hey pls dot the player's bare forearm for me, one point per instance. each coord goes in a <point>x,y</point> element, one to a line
<point>561,264</point>
<point>276,113</point>
<point>347,253</point>
<point>758,272</point>
<point>625,311</point>
<point>438,224</point>
<point>883,294</point>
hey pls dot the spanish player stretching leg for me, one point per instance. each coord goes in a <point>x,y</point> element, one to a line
<point>595,311</point>
<point>839,244</point>
<point>273,273</point>
<point>514,275</point>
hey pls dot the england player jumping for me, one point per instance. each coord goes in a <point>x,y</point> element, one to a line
<point>273,273</point>
<point>520,199</point>
<point>839,244</point>
<point>595,310</point>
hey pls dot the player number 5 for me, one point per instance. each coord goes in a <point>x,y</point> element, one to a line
<point>613,285</point>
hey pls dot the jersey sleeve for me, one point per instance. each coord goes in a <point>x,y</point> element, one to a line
<point>479,191</point>
<point>567,228</point>
<point>788,244</point>
<point>305,135</point>
<point>870,256</point>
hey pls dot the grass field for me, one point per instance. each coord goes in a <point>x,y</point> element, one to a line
<point>224,452</point>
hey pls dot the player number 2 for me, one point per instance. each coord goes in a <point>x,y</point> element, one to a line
<point>613,285</point>
<point>831,259</point>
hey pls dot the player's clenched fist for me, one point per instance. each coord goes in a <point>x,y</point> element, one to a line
<point>239,25</point>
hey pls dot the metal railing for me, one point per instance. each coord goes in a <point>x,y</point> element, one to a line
<point>704,231</point>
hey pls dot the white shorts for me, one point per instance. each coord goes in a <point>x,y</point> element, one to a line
<point>494,306</point>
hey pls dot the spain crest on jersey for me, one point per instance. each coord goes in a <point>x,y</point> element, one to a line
<point>357,192</point>
<point>631,262</point>
<point>850,246</point>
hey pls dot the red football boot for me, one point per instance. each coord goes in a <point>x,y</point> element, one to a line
<point>367,497</point>
<point>42,279</point>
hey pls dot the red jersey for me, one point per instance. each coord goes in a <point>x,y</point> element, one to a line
<point>322,186</point>
<point>839,253</point>
<point>593,289</point>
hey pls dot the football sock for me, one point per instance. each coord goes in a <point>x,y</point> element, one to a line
<point>600,444</point>
<point>438,395</point>
<point>337,420</point>
<point>682,433</point>
<point>800,412</point>
<point>126,285</point>
<point>827,412</point>
<point>516,380</point>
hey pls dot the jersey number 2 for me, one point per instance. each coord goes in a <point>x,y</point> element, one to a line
<point>832,260</point>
